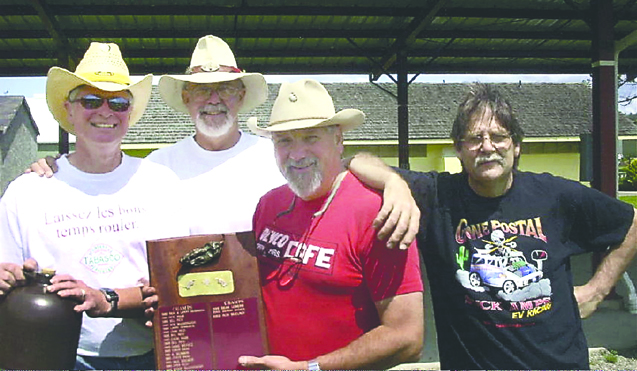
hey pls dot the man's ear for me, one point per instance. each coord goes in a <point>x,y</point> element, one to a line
<point>185,97</point>
<point>69,113</point>
<point>458,149</point>
<point>339,136</point>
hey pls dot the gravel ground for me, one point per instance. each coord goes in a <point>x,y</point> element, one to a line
<point>603,359</point>
<point>600,359</point>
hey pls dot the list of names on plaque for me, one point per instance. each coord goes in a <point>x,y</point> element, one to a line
<point>185,335</point>
<point>235,324</point>
<point>231,308</point>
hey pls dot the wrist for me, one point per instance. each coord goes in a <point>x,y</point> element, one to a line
<point>313,365</point>
<point>112,299</point>
<point>595,291</point>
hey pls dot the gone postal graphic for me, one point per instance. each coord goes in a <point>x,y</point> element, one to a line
<point>500,269</point>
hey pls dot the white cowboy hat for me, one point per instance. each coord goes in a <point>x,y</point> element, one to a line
<point>306,104</point>
<point>103,68</point>
<point>212,61</point>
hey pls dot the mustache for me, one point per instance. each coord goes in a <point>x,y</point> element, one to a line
<point>300,163</point>
<point>218,107</point>
<point>490,158</point>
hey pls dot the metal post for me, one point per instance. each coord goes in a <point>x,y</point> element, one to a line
<point>604,99</point>
<point>604,105</point>
<point>403,112</point>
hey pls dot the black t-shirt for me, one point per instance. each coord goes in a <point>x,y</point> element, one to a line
<point>499,268</point>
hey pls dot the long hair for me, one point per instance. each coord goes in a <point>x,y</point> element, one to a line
<point>480,98</point>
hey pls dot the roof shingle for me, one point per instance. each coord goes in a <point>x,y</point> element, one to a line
<point>544,110</point>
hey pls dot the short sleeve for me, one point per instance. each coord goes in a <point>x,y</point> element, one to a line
<point>391,272</point>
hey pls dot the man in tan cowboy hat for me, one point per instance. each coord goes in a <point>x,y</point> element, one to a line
<point>335,297</point>
<point>233,169</point>
<point>101,207</point>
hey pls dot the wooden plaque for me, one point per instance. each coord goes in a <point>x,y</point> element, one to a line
<point>208,315</point>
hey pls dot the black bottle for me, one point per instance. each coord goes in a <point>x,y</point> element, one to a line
<point>38,329</point>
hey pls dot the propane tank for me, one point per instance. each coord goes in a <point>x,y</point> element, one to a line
<point>38,329</point>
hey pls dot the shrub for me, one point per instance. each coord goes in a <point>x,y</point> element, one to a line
<point>628,176</point>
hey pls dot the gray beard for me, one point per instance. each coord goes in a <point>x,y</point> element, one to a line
<point>303,185</point>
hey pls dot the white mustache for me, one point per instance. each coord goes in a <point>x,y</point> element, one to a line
<point>214,108</point>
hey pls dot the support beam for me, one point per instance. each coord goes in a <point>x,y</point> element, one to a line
<point>411,33</point>
<point>403,111</point>
<point>604,98</point>
<point>63,55</point>
<point>604,105</point>
<point>625,42</point>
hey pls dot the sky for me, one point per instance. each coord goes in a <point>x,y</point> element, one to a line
<point>33,88</point>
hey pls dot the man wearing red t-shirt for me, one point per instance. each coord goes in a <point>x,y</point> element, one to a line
<point>335,297</point>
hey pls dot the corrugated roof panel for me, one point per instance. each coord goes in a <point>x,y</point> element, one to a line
<point>347,35</point>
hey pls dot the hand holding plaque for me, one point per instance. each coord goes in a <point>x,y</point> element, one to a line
<point>210,310</point>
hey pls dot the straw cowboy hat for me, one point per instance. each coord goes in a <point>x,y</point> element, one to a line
<point>212,61</point>
<point>103,68</point>
<point>306,104</point>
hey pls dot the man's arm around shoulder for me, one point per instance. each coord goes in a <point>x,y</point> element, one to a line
<point>399,217</point>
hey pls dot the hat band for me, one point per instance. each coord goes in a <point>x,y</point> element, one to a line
<point>215,68</point>
<point>297,119</point>
<point>105,76</point>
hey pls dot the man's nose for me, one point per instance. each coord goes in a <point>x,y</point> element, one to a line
<point>487,145</point>
<point>105,110</point>
<point>297,151</point>
<point>214,97</point>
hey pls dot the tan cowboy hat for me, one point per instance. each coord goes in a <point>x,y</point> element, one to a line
<point>104,68</point>
<point>211,57</point>
<point>306,104</point>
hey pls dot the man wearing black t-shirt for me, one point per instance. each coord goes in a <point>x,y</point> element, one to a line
<point>496,242</point>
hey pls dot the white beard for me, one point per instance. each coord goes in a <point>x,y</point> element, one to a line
<point>213,129</point>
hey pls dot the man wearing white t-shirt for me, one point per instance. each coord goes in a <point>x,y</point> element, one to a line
<point>101,207</point>
<point>224,171</point>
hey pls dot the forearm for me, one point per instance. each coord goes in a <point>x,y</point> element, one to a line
<point>379,349</point>
<point>371,170</point>
<point>130,303</point>
<point>614,264</point>
<point>398,340</point>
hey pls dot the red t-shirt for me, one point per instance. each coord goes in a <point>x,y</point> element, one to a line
<point>320,275</point>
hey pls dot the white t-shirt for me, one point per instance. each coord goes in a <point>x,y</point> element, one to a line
<point>221,189</point>
<point>93,227</point>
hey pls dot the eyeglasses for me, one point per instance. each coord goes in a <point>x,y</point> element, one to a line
<point>204,92</point>
<point>498,140</point>
<point>116,104</point>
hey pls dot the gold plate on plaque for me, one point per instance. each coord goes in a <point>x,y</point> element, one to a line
<point>206,283</point>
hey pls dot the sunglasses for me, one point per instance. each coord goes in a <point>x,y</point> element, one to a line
<point>116,104</point>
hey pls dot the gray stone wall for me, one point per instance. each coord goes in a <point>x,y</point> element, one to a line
<point>18,148</point>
